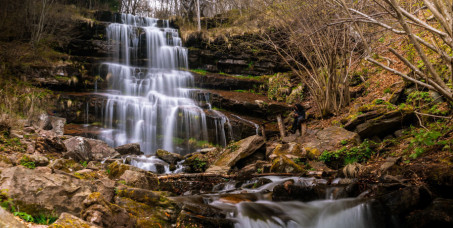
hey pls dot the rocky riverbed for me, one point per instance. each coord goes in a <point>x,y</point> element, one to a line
<point>85,182</point>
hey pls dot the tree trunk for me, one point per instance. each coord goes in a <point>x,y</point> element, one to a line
<point>281,127</point>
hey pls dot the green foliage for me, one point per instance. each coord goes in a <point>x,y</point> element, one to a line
<point>232,147</point>
<point>360,153</point>
<point>44,219</point>
<point>84,164</point>
<point>200,164</point>
<point>279,87</point>
<point>423,138</point>
<point>419,98</point>
<point>344,142</point>
<point>387,90</point>
<point>25,161</point>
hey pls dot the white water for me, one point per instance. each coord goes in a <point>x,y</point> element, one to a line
<point>345,213</point>
<point>148,99</point>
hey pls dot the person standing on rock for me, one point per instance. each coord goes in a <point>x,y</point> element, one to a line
<point>299,117</point>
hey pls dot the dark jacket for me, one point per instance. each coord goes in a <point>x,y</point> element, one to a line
<point>300,111</point>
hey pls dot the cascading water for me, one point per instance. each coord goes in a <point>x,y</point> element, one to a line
<point>149,101</point>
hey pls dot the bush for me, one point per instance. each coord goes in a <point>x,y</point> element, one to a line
<point>346,155</point>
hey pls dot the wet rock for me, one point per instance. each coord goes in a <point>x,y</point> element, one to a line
<point>129,149</point>
<point>8,220</point>
<point>37,191</point>
<point>195,211</point>
<point>403,200</point>
<point>116,169</point>
<point>438,214</point>
<point>102,213</point>
<point>68,220</point>
<point>290,191</point>
<point>223,82</point>
<point>171,158</point>
<point>235,152</point>
<point>142,179</point>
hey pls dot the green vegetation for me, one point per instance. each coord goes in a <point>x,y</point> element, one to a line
<point>199,71</point>
<point>7,203</point>
<point>360,153</point>
<point>25,161</point>
<point>423,138</point>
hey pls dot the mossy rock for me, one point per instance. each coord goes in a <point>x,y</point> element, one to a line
<point>69,221</point>
<point>116,169</point>
<point>282,164</point>
<point>196,163</point>
<point>66,165</point>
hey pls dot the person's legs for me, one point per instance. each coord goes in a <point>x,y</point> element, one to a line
<point>295,125</point>
<point>298,121</point>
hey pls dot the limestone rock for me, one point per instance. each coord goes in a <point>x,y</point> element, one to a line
<point>143,179</point>
<point>237,151</point>
<point>329,139</point>
<point>39,190</point>
<point>171,158</point>
<point>129,149</point>
<point>46,145</point>
<point>39,159</point>
<point>68,220</point>
<point>291,150</point>
<point>8,220</point>
<point>78,149</point>
<point>52,123</point>
<point>83,149</point>
<point>102,213</point>
<point>66,165</point>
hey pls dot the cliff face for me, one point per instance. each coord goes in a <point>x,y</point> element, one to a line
<point>239,54</point>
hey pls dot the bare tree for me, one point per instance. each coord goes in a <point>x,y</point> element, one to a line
<point>428,28</point>
<point>320,53</point>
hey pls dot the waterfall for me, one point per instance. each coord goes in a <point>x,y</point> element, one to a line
<point>149,97</point>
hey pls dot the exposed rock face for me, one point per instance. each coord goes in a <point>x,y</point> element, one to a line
<point>40,190</point>
<point>233,55</point>
<point>83,149</point>
<point>352,170</point>
<point>219,81</point>
<point>169,157</point>
<point>129,149</point>
<point>380,123</point>
<point>328,139</point>
<point>8,220</point>
<point>102,213</point>
<point>282,164</point>
<point>68,220</point>
<point>235,152</point>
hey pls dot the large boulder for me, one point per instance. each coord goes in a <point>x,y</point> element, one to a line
<point>99,211</point>
<point>47,145</point>
<point>438,214</point>
<point>140,179</point>
<point>129,149</point>
<point>68,220</point>
<point>39,190</point>
<point>83,149</point>
<point>101,150</point>
<point>329,139</point>
<point>380,123</point>
<point>52,123</point>
<point>78,149</point>
<point>8,220</point>
<point>171,158</point>
<point>235,152</point>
